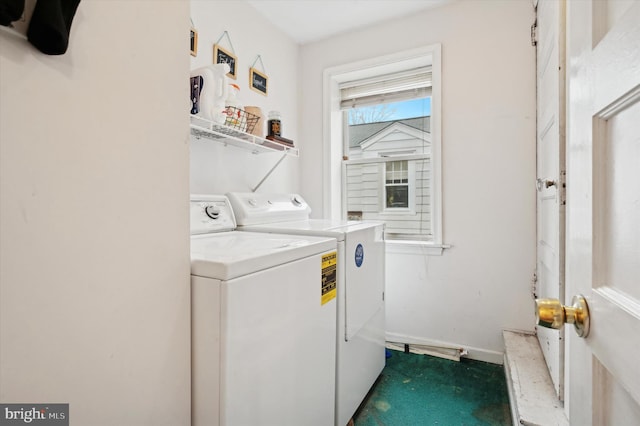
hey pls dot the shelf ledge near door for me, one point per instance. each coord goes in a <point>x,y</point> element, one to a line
<point>532,397</point>
<point>203,128</point>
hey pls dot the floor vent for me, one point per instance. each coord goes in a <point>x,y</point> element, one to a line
<point>452,354</point>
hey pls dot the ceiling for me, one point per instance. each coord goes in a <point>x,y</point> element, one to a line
<point>306,21</point>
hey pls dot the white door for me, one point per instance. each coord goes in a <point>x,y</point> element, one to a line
<point>603,209</point>
<point>550,71</point>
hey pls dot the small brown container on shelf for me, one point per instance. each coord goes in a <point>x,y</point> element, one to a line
<point>274,124</point>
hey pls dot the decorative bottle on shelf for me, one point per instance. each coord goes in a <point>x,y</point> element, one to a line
<point>274,125</point>
<point>209,90</point>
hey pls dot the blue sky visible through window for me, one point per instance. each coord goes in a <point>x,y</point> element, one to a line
<point>391,111</point>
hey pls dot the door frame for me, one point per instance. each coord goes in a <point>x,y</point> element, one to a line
<point>550,133</point>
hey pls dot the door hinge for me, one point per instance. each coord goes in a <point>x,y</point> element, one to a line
<point>534,33</point>
<point>534,285</point>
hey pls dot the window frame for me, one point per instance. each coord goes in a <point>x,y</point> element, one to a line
<point>334,197</point>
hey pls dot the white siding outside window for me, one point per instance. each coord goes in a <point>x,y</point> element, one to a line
<point>388,177</point>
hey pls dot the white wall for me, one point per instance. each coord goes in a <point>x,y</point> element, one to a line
<point>94,225</point>
<point>219,169</point>
<point>482,284</point>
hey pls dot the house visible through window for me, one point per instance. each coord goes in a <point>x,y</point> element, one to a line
<point>387,145</point>
<point>382,145</point>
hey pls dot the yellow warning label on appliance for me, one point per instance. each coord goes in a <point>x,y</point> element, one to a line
<point>329,275</point>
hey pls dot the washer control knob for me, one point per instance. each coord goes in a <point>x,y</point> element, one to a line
<point>212,211</point>
<point>296,201</point>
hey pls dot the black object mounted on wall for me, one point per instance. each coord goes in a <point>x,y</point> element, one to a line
<point>10,10</point>
<point>49,22</point>
<point>50,25</point>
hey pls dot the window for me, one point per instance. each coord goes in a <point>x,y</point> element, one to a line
<point>384,145</point>
<point>387,168</point>
<point>387,156</point>
<point>396,189</point>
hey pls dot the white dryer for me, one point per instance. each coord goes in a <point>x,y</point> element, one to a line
<point>263,312</point>
<point>361,279</point>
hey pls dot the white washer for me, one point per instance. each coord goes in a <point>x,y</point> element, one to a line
<point>263,323</point>
<point>361,260</point>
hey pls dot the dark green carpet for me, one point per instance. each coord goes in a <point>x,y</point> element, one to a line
<point>416,390</point>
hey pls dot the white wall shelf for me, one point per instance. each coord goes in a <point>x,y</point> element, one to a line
<point>203,128</point>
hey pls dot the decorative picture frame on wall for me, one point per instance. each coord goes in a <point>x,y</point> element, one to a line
<point>222,56</point>
<point>258,81</point>
<point>194,42</point>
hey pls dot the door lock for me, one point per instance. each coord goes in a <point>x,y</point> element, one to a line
<point>545,183</point>
<point>550,313</point>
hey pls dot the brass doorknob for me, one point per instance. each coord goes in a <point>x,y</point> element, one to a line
<point>550,313</point>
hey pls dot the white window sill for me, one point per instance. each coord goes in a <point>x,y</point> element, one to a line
<point>415,247</point>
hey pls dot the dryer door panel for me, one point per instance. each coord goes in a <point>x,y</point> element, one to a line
<point>364,282</point>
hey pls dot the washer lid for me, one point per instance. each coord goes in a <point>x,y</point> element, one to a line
<point>228,255</point>
<point>319,227</point>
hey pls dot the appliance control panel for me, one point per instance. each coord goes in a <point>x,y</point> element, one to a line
<point>258,208</point>
<point>211,213</point>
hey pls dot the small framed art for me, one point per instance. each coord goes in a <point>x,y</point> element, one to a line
<point>258,81</point>
<point>221,56</point>
<point>194,42</point>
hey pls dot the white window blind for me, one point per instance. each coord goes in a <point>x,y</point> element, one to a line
<point>382,89</point>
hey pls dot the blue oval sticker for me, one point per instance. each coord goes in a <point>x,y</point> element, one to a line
<point>359,255</point>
